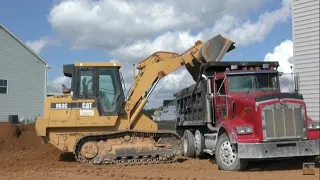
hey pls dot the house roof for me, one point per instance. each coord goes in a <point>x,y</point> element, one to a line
<point>24,45</point>
<point>53,91</point>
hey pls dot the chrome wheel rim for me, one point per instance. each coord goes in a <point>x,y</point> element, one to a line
<point>185,145</point>
<point>197,141</point>
<point>227,153</point>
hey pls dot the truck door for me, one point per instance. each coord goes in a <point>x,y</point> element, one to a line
<point>220,99</point>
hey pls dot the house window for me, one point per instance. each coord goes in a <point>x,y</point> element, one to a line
<point>3,86</point>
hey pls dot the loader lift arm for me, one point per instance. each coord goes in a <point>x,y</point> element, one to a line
<point>160,64</point>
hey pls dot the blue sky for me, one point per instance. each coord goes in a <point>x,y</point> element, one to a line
<point>29,21</point>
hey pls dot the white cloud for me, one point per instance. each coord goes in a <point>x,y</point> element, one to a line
<point>242,32</point>
<point>249,33</point>
<point>283,53</point>
<point>169,85</point>
<point>107,24</point>
<point>169,41</point>
<point>57,82</point>
<point>131,31</point>
<point>40,44</point>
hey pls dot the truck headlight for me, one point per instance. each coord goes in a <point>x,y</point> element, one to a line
<point>244,130</point>
<point>314,125</point>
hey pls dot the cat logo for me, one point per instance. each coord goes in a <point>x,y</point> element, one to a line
<point>86,105</point>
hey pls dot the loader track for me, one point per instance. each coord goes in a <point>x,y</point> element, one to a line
<point>159,157</point>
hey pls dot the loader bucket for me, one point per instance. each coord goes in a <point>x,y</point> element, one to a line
<point>212,51</point>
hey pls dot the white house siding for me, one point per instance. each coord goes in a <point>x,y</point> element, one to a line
<point>306,22</point>
<point>26,75</point>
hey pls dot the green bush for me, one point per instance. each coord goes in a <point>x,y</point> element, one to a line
<point>166,125</point>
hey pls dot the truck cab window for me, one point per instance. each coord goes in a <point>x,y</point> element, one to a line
<point>86,83</point>
<point>267,81</point>
<point>253,82</point>
<point>220,87</point>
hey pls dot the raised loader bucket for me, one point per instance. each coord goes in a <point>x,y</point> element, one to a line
<point>211,51</point>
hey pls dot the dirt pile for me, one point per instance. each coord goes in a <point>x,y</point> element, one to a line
<point>20,143</point>
<point>18,137</point>
<point>24,157</point>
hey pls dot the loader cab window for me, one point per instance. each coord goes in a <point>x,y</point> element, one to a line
<point>101,84</point>
<point>108,91</point>
<point>86,83</point>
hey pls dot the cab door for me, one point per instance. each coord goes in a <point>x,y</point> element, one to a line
<point>110,96</point>
<point>220,99</point>
<point>85,106</point>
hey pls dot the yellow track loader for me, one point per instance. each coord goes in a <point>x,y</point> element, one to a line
<point>94,120</point>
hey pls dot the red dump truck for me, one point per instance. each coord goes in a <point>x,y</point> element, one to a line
<point>237,112</point>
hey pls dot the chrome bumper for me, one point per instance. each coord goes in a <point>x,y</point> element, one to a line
<point>278,149</point>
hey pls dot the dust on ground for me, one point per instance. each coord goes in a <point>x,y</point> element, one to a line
<point>23,156</point>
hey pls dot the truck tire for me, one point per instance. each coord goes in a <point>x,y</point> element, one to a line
<point>226,155</point>
<point>188,144</point>
<point>199,144</point>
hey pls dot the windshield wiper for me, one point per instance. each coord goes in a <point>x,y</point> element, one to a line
<point>262,89</point>
<point>258,85</point>
<point>249,89</point>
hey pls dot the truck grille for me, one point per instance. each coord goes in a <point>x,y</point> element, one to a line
<point>283,121</point>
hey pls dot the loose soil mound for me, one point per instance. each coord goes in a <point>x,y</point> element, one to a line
<point>18,137</point>
<point>20,143</point>
<point>24,157</point>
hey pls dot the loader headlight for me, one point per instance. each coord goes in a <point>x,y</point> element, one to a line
<point>244,130</point>
<point>314,125</point>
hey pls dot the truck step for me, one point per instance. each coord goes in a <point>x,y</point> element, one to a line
<point>212,136</point>
<point>209,151</point>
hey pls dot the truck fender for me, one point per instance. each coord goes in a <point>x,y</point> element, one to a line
<point>227,127</point>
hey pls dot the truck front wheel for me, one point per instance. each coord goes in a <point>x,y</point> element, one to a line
<point>226,155</point>
<point>188,144</point>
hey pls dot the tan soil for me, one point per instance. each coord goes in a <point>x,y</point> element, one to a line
<point>23,156</point>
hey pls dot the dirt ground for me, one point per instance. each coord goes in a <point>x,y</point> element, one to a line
<point>22,156</point>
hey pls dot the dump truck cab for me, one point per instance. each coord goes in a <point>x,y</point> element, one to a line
<point>238,112</point>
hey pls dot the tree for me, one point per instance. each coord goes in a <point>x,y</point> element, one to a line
<point>149,112</point>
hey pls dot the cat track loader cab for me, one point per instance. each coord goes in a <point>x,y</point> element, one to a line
<point>99,81</point>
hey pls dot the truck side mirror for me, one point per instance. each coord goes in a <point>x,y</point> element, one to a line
<point>296,80</point>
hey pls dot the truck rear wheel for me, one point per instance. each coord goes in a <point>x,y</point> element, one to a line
<point>188,144</point>
<point>226,155</point>
<point>199,144</point>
